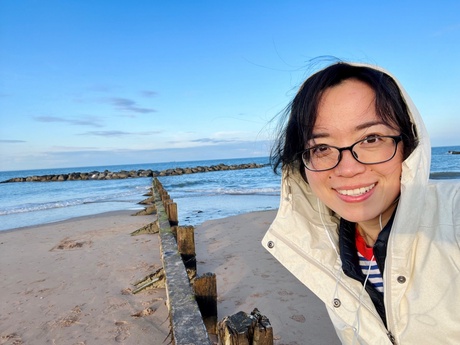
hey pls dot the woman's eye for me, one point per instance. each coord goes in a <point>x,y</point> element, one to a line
<point>321,150</point>
<point>374,139</point>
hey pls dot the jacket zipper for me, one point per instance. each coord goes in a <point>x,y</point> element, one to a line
<point>391,337</point>
<point>387,297</point>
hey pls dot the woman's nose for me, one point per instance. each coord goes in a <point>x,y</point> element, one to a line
<point>348,165</point>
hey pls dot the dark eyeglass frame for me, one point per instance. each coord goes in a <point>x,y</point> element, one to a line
<point>396,138</point>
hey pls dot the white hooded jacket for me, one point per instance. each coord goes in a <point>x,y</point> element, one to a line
<point>422,267</point>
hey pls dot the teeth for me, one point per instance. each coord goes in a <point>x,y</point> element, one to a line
<point>357,191</point>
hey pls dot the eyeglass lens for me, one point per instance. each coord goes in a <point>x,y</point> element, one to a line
<point>368,151</point>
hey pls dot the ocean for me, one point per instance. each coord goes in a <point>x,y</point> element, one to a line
<point>199,197</point>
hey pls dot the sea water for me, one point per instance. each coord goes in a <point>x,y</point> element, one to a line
<point>200,196</point>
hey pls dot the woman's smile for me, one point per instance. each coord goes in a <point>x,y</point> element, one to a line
<point>355,191</point>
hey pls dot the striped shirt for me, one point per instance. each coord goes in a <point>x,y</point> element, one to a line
<point>367,263</point>
<point>370,267</point>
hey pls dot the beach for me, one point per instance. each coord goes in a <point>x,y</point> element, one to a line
<point>70,282</point>
<point>249,277</point>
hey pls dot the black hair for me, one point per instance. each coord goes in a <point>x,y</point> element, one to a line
<point>301,113</point>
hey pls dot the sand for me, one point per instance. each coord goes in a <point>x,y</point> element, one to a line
<point>70,282</point>
<point>249,277</point>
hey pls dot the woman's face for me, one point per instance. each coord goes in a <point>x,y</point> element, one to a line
<point>357,192</point>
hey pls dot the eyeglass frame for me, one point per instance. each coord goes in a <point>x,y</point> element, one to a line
<point>396,138</point>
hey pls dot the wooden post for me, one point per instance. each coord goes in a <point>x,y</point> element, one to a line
<point>234,330</point>
<point>187,326</point>
<point>206,296</point>
<point>244,329</point>
<point>263,331</point>
<point>158,183</point>
<point>164,195</point>
<point>158,186</point>
<point>165,205</point>
<point>172,214</point>
<point>186,246</point>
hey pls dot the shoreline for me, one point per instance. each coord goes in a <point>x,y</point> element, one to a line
<point>71,219</point>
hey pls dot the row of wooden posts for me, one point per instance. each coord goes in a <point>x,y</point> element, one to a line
<point>205,286</point>
<point>192,300</point>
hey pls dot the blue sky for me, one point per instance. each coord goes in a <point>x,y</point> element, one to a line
<point>100,82</point>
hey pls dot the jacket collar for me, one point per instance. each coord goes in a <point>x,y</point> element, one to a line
<point>350,260</point>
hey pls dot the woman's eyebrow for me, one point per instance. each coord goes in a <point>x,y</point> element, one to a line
<point>369,124</point>
<point>320,135</point>
<point>366,125</point>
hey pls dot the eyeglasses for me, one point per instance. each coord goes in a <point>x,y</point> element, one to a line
<point>371,150</point>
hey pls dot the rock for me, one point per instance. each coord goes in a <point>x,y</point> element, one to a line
<point>123,174</point>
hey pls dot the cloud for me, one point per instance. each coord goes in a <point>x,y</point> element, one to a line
<point>63,149</point>
<point>118,133</point>
<point>148,93</point>
<point>107,133</point>
<point>6,141</point>
<point>125,104</point>
<point>217,138</point>
<point>213,141</point>
<point>68,156</point>
<point>91,157</point>
<point>77,122</point>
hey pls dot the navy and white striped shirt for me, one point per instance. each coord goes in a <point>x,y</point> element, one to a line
<point>375,277</point>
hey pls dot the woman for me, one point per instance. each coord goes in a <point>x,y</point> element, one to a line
<point>359,223</point>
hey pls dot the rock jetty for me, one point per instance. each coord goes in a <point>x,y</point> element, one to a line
<point>123,174</point>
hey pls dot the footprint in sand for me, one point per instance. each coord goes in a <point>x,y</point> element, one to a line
<point>68,320</point>
<point>122,331</point>
<point>67,244</point>
<point>12,338</point>
<point>145,312</point>
<point>299,318</point>
<point>285,293</point>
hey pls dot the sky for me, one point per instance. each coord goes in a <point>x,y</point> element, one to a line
<point>106,82</point>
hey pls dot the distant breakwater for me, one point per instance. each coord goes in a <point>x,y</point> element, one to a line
<point>123,174</point>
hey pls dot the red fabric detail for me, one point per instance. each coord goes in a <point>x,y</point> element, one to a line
<point>363,249</point>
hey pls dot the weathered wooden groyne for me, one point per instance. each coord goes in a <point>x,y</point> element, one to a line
<point>123,174</point>
<point>192,300</point>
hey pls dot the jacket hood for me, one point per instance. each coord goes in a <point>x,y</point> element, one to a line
<point>417,165</point>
